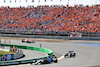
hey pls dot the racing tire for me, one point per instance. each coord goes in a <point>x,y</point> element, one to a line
<point>66,55</point>
<point>55,61</point>
<point>71,55</point>
<point>23,41</point>
<point>33,41</point>
<point>74,55</point>
<point>28,42</point>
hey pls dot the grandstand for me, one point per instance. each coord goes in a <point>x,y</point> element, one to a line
<point>42,18</point>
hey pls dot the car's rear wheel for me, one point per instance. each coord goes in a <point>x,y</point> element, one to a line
<point>74,54</point>
<point>55,61</point>
<point>66,55</point>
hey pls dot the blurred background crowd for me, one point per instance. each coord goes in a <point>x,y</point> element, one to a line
<point>51,18</point>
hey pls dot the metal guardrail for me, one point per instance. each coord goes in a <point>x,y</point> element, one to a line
<point>51,37</point>
<point>52,33</point>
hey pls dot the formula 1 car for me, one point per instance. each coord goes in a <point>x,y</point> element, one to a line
<point>42,61</point>
<point>70,54</point>
<point>46,60</point>
<point>54,59</point>
<point>27,41</point>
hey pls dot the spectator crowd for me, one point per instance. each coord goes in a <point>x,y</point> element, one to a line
<point>51,18</point>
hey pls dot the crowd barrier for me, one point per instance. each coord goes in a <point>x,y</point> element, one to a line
<point>16,62</point>
<point>51,37</point>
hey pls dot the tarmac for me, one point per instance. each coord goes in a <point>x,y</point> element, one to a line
<point>86,55</point>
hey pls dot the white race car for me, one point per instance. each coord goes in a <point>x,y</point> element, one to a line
<point>70,54</point>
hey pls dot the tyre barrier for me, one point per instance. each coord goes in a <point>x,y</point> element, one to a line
<point>17,62</point>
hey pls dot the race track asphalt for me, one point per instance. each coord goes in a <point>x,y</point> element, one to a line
<point>86,55</point>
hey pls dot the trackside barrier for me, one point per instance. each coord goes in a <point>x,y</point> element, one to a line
<point>51,37</point>
<point>16,62</point>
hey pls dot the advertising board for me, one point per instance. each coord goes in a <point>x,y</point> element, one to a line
<point>16,63</point>
<point>7,57</point>
<point>9,63</point>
